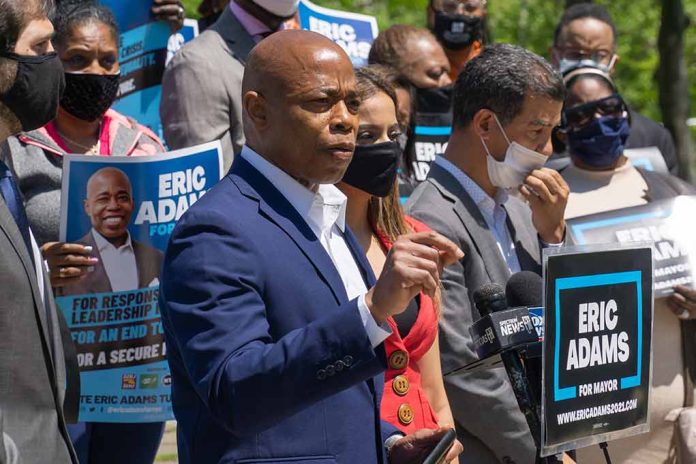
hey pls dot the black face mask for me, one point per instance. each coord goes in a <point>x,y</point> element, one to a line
<point>436,100</point>
<point>374,167</point>
<point>35,94</point>
<point>457,31</point>
<point>89,96</point>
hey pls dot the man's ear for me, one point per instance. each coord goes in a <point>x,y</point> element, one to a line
<point>254,106</point>
<point>85,204</point>
<point>484,123</point>
<point>616,59</point>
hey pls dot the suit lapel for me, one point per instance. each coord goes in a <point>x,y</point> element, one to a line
<point>10,228</point>
<point>360,258</point>
<point>233,33</point>
<point>481,236</point>
<point>526,244</point>
<point>278,210</point>
<point>99,280</point>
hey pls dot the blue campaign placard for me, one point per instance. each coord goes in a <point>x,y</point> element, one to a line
<point>146,46</point>
<point>125,209</point>
<point>352,31</point>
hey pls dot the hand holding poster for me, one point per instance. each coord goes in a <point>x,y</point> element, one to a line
<point>145,46</point>
<point>353,32</point>
<point>669,224</point>
<point>597,345</point>
<point>124,209</point>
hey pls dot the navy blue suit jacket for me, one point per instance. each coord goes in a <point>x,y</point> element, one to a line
<point>270,361</point>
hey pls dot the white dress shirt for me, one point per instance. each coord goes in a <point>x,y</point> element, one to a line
<point>119,263</point>
<point>325,213</point>
<point>492,210</point>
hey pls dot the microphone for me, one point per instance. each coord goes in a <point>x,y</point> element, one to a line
<point>525,289</point>
<point>490,300</point>
<point>500,328</point>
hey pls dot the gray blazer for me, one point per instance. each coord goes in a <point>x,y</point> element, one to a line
<point>202,89</point>
<point>488,420</point>
<point>148,261</point>
<point>32,363</point>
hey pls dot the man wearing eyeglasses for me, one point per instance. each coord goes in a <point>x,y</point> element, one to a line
<point>459,26</point>
<point>586,37</point>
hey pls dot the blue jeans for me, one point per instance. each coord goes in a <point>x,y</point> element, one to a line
<point>102,443</point>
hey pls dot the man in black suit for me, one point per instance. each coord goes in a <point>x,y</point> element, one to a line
<point>124,264</point>
<point>586,36</point>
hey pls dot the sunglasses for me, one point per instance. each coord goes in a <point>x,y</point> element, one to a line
<point>579,116</point>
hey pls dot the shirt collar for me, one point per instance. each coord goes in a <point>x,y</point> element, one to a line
<point>321,209</point>
<point>103,243</point>
<point>480,197</point>
<point>254,27</point>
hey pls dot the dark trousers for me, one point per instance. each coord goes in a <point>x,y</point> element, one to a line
<point>102,443</point>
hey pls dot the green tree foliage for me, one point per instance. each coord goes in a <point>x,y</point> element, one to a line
<point>531,23</point>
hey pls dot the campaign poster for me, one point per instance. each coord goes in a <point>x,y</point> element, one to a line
<point>146,46</point>
<point>125,209</point>
<point>597,345</point>
<point>432,127</point>
<point>669,224</point>
<point>352,31</point>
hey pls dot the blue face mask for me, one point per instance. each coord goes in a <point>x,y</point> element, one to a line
<point>601,142</point>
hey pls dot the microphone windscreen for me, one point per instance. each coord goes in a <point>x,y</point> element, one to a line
<point>524,289</point>
<point>490,298</point>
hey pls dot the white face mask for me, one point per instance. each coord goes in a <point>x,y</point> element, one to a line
<point>518,163</point>
<point>282,8</point>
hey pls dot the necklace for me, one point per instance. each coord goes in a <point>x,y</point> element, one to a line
<point>89,149</point>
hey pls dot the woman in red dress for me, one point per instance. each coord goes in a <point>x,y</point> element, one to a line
<point>414,393</point>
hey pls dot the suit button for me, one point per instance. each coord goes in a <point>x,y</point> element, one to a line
<point>348,360</point>
<point>321,374</point>
<point>398,360</point>
<point>339,365</point>
<point>400,385</point>
<point>405,414</point>
<point>330,370</point>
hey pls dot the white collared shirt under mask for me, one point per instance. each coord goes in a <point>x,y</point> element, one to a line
<point>518,163</point>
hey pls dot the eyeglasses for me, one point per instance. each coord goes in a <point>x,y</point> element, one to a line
<point>458,6</point>
<point>579,116</point>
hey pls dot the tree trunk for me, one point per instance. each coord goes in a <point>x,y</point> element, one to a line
<point>673,80</point>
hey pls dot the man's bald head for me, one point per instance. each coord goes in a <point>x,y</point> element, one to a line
<point>109,175</point>
<point>281,60</point>
<point>300,105</point>
<point>109,204</point>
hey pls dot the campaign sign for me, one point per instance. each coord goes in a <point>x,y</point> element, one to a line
<point>352,31</point>
<point>146,45</point>
<point>669,224</point>
<point>432,127</point>
<point>125,208</point>
<point>597,346</point>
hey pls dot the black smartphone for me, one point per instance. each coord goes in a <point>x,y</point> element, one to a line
<point>437,455</point>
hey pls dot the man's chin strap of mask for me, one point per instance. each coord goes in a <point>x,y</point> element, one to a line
<point>518,163</point>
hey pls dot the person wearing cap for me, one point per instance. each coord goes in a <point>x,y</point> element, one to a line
<point>595,124</point>
<point>586,36</point>
<point>202,86</point>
